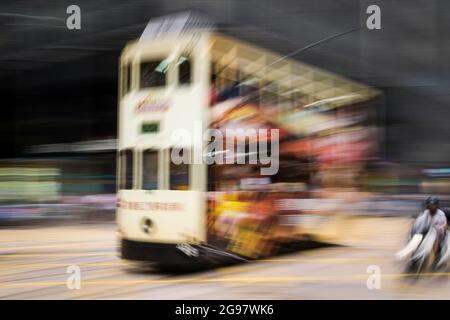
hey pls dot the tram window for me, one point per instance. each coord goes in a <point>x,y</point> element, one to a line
<point>153,73</point>
<point>179,174</point>
<point>184,70</point>
<point>150,170</point>
<point>126,167</point>
<point>269,94</point>
<point>126,76</point>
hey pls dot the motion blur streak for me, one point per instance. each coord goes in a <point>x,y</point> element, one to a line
<point>354,121</point>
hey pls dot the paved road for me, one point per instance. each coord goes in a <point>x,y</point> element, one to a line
<point>34,261</point>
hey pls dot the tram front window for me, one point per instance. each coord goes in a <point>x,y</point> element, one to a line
<point>150,170</point>
<point>126,78</point>
<point>126,168</point>
<point>184,70</point>
<point>153,73</point>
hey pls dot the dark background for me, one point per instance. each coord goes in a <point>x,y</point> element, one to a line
<point>60,85</point>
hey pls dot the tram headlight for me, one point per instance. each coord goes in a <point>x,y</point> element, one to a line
<point>147,225</point>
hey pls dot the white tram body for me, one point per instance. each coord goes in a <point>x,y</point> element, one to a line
<point>170,107</point>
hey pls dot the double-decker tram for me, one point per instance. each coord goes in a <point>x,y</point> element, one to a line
<point>229,151</point>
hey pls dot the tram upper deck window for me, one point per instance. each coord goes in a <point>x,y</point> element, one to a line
<point>184,70</point>
<point>154,73</point>
<point>150,170</point>
<point>126,78</point>
<point>126,169</point>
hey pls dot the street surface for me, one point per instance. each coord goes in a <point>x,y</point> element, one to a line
<point>34,262</point>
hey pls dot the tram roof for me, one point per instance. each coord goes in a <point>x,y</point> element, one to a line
<point>287,76</point>
<point>313,85</point>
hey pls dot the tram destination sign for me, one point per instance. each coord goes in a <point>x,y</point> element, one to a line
<point>150,127</point>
